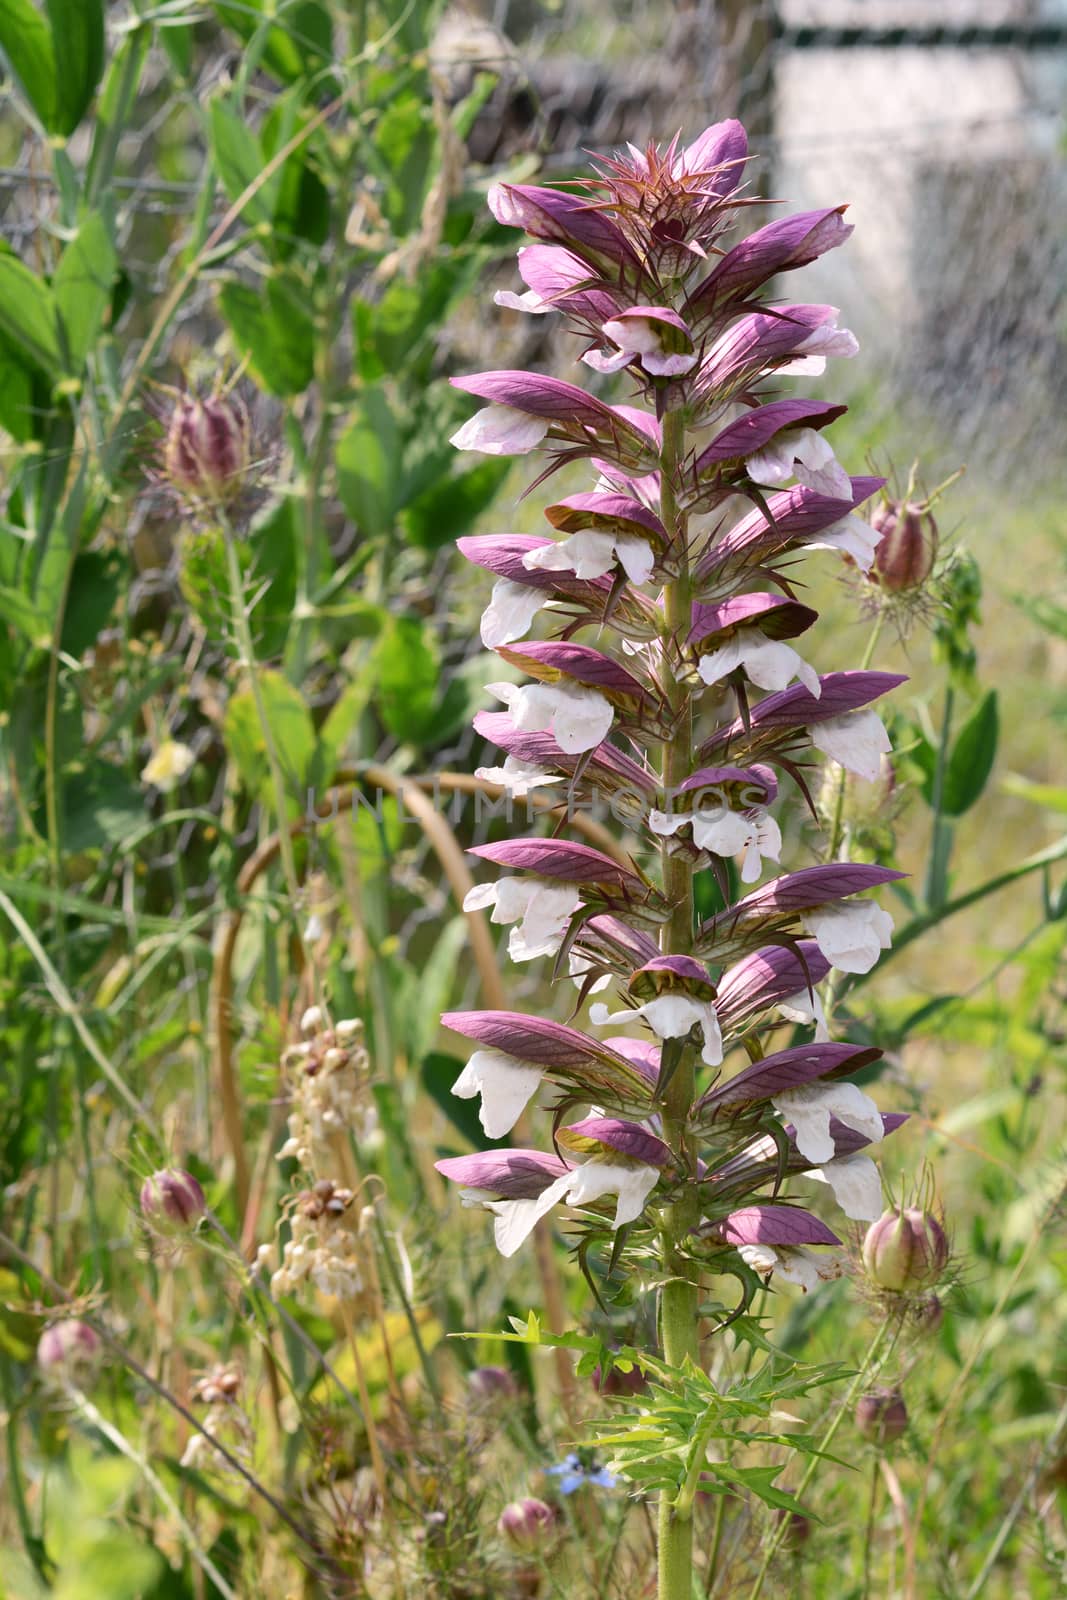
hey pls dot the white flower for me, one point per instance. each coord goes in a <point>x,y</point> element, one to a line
<point>857,740</point>
<point>578,719</point>
<point>827,340</point>
<point>856,1184</point>
<point>643,337</point>
<point>769,663</point>
<point>806,1007</point>
<point>853,536</point>
<point>500,431</point>
<point>671,1016</point>
<point>543,911</point>
<point>803,454</point>
<point>725,832</point>
<point>505,1084</point>
<point>580,966</point>
<point>850,935</point>
<point>792,1262</point>
<point>590,554</point>
<point>517,777</point>
<point>809,1108</point>
<point>511,609</point>
<point>169,765</point>
<point>516,1219</point>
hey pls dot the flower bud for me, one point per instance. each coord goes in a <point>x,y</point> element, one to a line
<point>881,1415</point>
<point>172,1200</point>
<point>905,1251</point>
<point>67,1348</point>
<point>528,1524</point>
<point>618,1382</point>
<point>488,1384</point>
<point>907,548</point>
<point>206,451</point>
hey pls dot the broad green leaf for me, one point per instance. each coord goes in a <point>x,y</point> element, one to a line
<point>378,831</point>
<point>78,46</point>
<point>18,611</point>
<point>408,673</point>
<point>273,327</point>
<point>367,458</point>
<point>82,288</point>
<point>1049,795</point>
<point>296,45</point>
<point>239,158</point>
<point>292,735</point>
<point>100,807</point>
<point>449,508</point>
<point>301,207</point>
<point>28,313</point>
<point>971,761</point>
<point>16,393</point>
<point>94,589</point>
<point>26,45</point>
<point>406,142</point>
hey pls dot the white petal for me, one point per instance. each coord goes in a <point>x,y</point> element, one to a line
<point>818,467</point>
<point>724,831</point>
<point>805,1008</point>
<point>762,1258</point>
<point>667,824</point>
<point>505,1085</point>
<point>773,465</point>
<point>503,691</point>
<point>632,1184</point>
<point>637,335</point>
<point>765,839</point>
<point>809,1108</point>
<point>717,663</point>
<point>513,896</point>
<point>511,609</point>
<point>480,897</point>
<point>500,431</point>
<point>851,935</point>
<point>857,740</point>
<point>582,719</point>
<point>856,1184</point>
<point>602,362</point>
<point>530,302</point>
<point>853,536</point>
<point>771,664</point>
<point>548,913</point>
<point>673,364</point>
<point>516,1219</point>
<point>803,1267</point>
<point>636,557</point>
<point>588,554</point>
<point>671,1016</point>
<point>517,777</point>
<point>579,967</point>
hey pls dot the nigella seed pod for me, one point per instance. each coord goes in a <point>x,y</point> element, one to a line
<point>881,1415</point>
<point>206,451</point>
<point>67,1349</point>
<point>907,546</point>
<point>529,1525</point>
<point>172,1200</point>
<point>905,1251</point>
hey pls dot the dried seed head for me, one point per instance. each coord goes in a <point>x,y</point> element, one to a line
<point>171,1200</point>
<point>220,1386</point>
<point>907,548</point>
<point>529,1525</point>
<point>207,449</point>
<point>67,1349</point>
<point>881,1415</point>
<point>905,1251</point>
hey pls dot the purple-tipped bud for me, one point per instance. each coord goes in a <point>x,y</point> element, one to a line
<point>206,451</point>
<point>881,1415</point>
<point>907,548</point>
<point>491,1384</point>
<point>171,1199</point>
<point>905,1251</point>
<point>528,1524</point>
<point>67,1348</point>
<point>618,1382</point>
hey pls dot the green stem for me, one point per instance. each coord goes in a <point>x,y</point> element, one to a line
<point>678,1299</point>
<point>868,1542</point>
<point>936,886</point>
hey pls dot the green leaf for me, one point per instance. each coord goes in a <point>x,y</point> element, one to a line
<point>28,313</point>
<point>239,159</point>
<point>273,327</point>
<point>367,458</point>
<point>448,509</point>
<point>408,674</point>
<point>94,589</point>
<point>972,758</point>
<point>18,611</point>
<point>82,289</point>
<point>297,45</point>
<point>1049,795</point>
<point>100,808</point>
<point>406,142</point>
<point>78,46</point>
<point>292,733</point>
<point>16,393</point>
<point>26,45</point>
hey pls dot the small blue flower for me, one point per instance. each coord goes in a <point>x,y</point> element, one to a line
<point>573,1472</point>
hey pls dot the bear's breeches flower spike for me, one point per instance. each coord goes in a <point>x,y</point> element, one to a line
<point>665,666</point>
